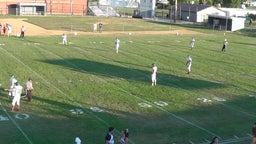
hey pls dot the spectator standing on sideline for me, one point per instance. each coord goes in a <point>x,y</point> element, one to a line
<point>100,27</point>
<point>153,75</point>
<point>22,32</point>
<point>109,138</point>
<point>29,88</point>
<point>124,137</point>
<point>117,41</point>
<point>188,64</point>
<point>12,85</point>
<point>9,27</point>
<point>5,30</point>
<point>17,93</point>
<point>225,44</point>
<point>95,27</point>
<point>64,39</point>
<point>1,29</point>
<point>192,43</point>
<point>254,133</point>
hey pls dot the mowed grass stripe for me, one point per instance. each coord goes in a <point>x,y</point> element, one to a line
<point>62,93</point>
<point>211,114</point>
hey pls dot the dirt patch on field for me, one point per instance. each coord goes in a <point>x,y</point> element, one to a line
<point>34,30</point>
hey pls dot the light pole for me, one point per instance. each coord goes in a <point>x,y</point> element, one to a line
<point>226,23</point>
<point>71,8</point>
<point>51,7</point>
<point>175,11</point>
<point>189,13</point>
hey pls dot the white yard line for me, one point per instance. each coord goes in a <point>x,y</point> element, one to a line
<point>104,122</point>
<point>143,100</point>
<point>53,86</point>
<point>229,107</point>
<point>130,94</point>
<point>16,124</point>
<point>121,89</point>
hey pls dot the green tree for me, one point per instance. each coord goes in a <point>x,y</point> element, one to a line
<point>232,3</point>
<point>209,2</point>
<point>235,3</point>
<point>218,1</point>
<point>186,1</point>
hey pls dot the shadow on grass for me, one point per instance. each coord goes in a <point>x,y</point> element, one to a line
<point>109,70</point>
<point>250,32</point>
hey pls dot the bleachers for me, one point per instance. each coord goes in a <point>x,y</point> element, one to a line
<point>109,11</point>
<point>103,11</point>
<point>97,11</point>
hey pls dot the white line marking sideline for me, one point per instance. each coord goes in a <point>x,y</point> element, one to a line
<point>16,124</point>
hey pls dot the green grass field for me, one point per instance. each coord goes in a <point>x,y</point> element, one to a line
<point>217,99</point>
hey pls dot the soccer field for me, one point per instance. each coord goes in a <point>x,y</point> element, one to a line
<point>85,87</point>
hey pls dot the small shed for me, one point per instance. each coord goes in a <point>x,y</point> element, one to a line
<point>27,9</point>
<point>226,22</point>
<point>197,12</point>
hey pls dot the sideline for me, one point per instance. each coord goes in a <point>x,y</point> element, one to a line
<point>34,30</point>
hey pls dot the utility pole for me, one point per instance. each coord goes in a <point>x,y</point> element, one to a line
<point>175,11</point>
<point>71,8</point>
<point>51,7</point>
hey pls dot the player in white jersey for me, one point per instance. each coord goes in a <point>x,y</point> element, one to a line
<point>12,85</point>
<point>225,44</point>
<point>17,93</point>
<point>188,64</point>
<point>192,43</point>
<point>153,75</point>
<point>95,27</point>
<point>117,42</point>
<point>64,39</point>
<point>109,138</point>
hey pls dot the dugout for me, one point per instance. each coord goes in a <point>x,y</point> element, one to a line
<point>226,22</point>
<point>27,9</point>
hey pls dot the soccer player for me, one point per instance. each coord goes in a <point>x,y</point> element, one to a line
<point>17,93</point>
<point>78,140</point>
<point>254,133</point>
<point>12,85</point>
<point>9,27</point>
<point>117,41</point>
<point>95,27</point>
<point>100,27</point>
<point>192,43</point>
<point>22,32</point>
<point>225,44</point>
<point>124,139</point>
<point>153,75</point>
<point>215,140</point>
<point>188,64</point>
<point>29,88</point>
<point>64,39</point>
<point>109,138</point>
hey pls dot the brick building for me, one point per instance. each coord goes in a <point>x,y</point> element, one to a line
<point>65,7</point>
